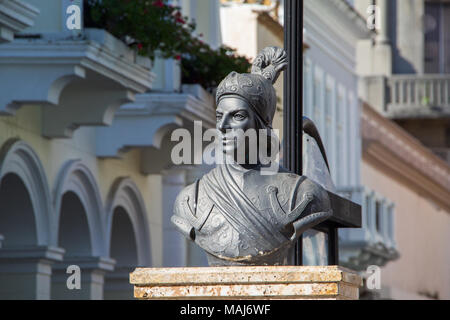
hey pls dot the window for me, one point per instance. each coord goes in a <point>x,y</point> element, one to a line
<point>318,101</point>
<point>378,216</point>
<point>437,37</point>
<point>327,134</point>
<point>315,248</point>
<point>308,89</point>
<point>379,213</point>
<point>341,147</point>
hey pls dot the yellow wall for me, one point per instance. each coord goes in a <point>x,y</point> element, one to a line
<point>422,232</point>
<point>53,154</point>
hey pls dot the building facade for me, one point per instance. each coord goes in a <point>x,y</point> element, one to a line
<point>358,53</point>
<point>404,86</point>
<point>406,74</point>
<point>86,178</point>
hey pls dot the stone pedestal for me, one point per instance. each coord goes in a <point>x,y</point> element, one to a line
<point>254,282</point>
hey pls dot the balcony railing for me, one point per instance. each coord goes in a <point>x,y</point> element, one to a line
<point>410,95</point>
<point>424,90</point>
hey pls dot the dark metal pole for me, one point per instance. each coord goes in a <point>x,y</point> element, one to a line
<point>333,247</point>
<point>293,94</point>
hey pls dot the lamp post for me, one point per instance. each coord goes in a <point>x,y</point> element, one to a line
<point>292,101</point>
<point>346,214</point>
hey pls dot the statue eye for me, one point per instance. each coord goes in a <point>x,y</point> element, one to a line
<point>218,116</point>
<point>239,116</point>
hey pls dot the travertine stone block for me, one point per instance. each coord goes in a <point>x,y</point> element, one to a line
<point>253,282</point>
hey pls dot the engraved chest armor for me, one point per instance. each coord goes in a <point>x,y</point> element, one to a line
<point>278,201</point>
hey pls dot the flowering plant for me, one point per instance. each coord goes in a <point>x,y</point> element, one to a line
<point>154,27</point>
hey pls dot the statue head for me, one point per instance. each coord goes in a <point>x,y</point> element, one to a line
<point>248,100</point>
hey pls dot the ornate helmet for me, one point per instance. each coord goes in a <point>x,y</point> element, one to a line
<point>256,88</point>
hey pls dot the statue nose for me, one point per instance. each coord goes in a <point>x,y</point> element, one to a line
<point>223,125</point>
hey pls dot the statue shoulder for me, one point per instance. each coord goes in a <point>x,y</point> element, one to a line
<point>181,217</point>
<point>187,194</point>
<point>193,205</point>
<point>292,188</point>
<point>320,195</point>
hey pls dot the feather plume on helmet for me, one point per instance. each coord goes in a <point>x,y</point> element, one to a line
<point>256,88</point>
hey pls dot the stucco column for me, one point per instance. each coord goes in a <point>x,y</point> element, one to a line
<point>383,32</point>
<point>383,50</point>
<point>117,286</point>
<point>177,250</point>
<point>372,219</point>
<point>174,243</point>
<point>215,36</point>
<point>25,272</point>
<point>92,272</point>
<point>196,256</point>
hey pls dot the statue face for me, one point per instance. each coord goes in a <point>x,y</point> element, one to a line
<point>233,114</point>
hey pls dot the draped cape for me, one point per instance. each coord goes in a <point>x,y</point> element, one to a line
<point>223,189</point>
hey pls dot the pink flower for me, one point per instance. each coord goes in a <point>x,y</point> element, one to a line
<point>177,57</point>
<point>140,46</point>
<point>158,3</point>
<point>180,20</point>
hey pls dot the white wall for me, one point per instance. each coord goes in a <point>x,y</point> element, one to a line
<point>330,95</point>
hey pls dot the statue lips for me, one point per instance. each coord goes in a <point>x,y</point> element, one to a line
<point>228,140</point>
<point>229,143</point>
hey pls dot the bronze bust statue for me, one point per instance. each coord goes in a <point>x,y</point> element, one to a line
<point>236,214</point>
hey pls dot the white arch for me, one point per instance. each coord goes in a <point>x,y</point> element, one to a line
<point>125,193</point>
<point>17,157</point>
<point>77,178</point>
